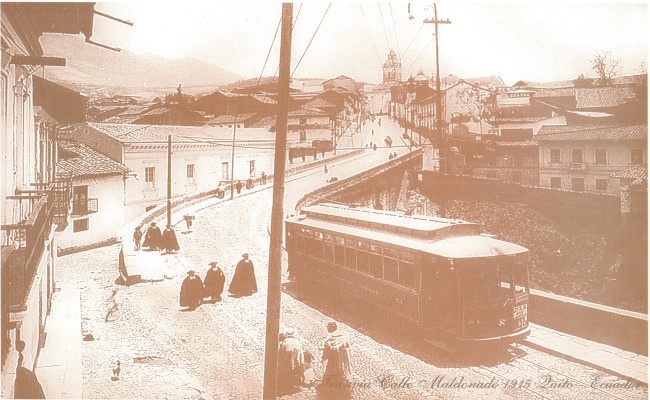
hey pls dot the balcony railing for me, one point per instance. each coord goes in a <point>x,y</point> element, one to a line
<point>577,166</point>
<point>27,240</point>
<point>85,208</point>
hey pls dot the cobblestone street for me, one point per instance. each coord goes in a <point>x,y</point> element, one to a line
<point>217,351</point>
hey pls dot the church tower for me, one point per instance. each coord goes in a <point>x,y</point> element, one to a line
<point>392,68</point>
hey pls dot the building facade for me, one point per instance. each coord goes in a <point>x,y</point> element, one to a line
<point>583,158</point>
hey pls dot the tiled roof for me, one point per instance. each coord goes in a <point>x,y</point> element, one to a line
<point>592,132</point>
<point>307,111</point>
<point>266,123</point>
<point>80,160</point>
<point>134,133</point>
<point>594,97</point>
<point>640,171</point>
<point>227,118</point>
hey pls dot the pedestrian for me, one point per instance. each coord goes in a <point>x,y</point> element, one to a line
<point>263,178</point>
<point>243,282</point>
<point>374,147</point>
<point>290,363</point>
<point>326,170</point>
<point>153,237</point>
<point>214,282</point>
<point>137,237</point>
<point>337,375</point>
<point>168,241</point>
<point>192,290</point>
<point>189,220</point>
<point>239,186</point>
<point>373,132</point>
<point>26,385</point>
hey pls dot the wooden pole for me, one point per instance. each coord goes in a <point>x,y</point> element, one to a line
<point>232,160</point>
<point>277,213</point>
<point>169,181</point>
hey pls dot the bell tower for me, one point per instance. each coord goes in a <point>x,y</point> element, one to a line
<point>392,68</point>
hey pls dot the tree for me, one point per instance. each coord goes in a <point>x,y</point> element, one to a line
<point>605,66</point>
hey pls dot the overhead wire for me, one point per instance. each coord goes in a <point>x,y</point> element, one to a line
<point>395,31</point>
<point>412,40</point>
<point>383,25</point>
<point>311,40</point>
<point>425,47</point>
<point>269,53</point>
<point>370,33</point>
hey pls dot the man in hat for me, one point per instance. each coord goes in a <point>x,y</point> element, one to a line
<point>153,237</point>
<point>191,291</point>
<point>214,282</point>
<point>290,361</point>
<point>168,242</point>
<point>243,282</point>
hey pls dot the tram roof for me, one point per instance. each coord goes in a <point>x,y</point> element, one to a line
<point>466,246</point>
<point>420,224</point>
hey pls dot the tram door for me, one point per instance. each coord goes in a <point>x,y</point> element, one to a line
<point>439,295</point>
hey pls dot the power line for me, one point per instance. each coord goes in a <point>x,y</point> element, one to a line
<point>370,33</point>
<point>394,30</point>
<point>310,40</point>
<point>425,47</point>
<point>412,40</point>
<point>383,25</point>
<point>269,53</point>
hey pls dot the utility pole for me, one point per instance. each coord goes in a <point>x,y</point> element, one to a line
<point>169,181</point>
<point>277,212</point>
<point>439,113</point>
<point>232,160</point>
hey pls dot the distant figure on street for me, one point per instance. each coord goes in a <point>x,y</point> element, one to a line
<point>153,237</point>
<point>169,242</point>
<point>263,178</point>
<point>137,237</point>
<point>373,132</point>
<point>192,291</point>
<point>326,170</point>
<point>390,156</point>
<point>243,282</point>
<point>214,282</point>
<point>239,186</point>
<point>290,363</point>
<point>374,146</point>
<point>337,373</point>
<point>189,220</point>
<point>379,121</point>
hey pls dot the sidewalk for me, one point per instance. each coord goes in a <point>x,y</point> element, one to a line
<point>59,368</point>
<point>623,364</point>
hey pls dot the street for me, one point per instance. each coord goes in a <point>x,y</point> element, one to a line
<point>217,351</point>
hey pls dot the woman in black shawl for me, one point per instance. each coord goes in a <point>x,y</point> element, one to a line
<point>243,282</point>
<point>214,282</point>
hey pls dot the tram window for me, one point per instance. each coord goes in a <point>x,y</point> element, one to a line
<point>376,264</point>
<point>327,251</point>
<point>315,247</point>
<point>339,250</point>
<point>350,254</point>
<point>406,269</point>
<point>390,265</point>
<point>521,278</point>
<point>474,286</point>
<point>300,244</point>
<point>504,276</point>
<point>362,257</point>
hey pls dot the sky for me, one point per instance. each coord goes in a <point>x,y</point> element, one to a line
<point>535,41</point>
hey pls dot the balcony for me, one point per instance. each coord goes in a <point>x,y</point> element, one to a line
<point>577,166</point>
<point>84,208</point>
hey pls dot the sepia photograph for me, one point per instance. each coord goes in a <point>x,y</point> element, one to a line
<point>348,200</point>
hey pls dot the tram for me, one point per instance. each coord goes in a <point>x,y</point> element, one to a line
<point>460,287</point>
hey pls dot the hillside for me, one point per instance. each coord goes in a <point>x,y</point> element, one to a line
<point>89,65</point>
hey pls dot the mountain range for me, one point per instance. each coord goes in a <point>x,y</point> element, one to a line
<point>92,66</point>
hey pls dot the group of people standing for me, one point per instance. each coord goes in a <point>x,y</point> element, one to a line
<point>295,364</point>
<point>156,240</point>
<point>194,290</point>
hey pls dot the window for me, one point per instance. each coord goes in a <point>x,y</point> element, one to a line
<point>315,246</point>
<point>362,257</point>
<point>339,250</point>
<point>406,269</point>
<point>556,182</point>
<point>303,136</point>
<point>390,265</point>
<point>576,156</point>
<point>251,167</point>
<point>225,171</point>
<point>150,177</point>
<point>190,173</point>
<point>578,184</point>
<point>555,156</point>
<point>80,200</point>
<point>601,184</point>
<point>80,225</point>
<point>600,156</point>
<point>636,156</point>
<point>376,264</point>
<point>350,253</point>
<point>327,248</point>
